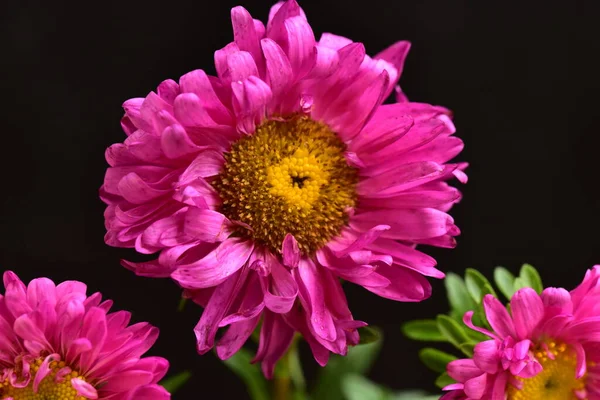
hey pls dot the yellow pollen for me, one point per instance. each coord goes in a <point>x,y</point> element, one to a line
<point>48,389</point>
<point>288,177</point>
<point>556,381</point>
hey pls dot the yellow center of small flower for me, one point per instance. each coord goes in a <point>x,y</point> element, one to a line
<point>48,389</point>
<point>557,380</point>
<point>288,177</point>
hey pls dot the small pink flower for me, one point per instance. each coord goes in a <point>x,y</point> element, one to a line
<point>547,347</point>
<point>59,343</point>
<point>261,187</point>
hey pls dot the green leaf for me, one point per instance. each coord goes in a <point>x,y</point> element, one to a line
<point>257,386</point>
<point>173,383</point>
<point>369,335</point>
<point>423,329</point>
<point>478,285</point>
<point>356,387</point>
<point>452,330</point>
<point>458,295</point>
<point>529,277</point>
<point>505,281</point>
<point>435,359</point>
<point>358,361</point>
<point>444,380</point>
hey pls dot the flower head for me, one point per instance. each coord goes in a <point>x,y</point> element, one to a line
<point>546,348</point>
<point>261,187</point>
<point>59,343</point>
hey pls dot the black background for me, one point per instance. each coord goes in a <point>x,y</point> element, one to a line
<point>521,77</point>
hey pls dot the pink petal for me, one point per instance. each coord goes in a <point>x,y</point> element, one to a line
<point>527,310</point>
<point>217,306</point>
<point>216,267</point>
<point>556,301</point>
<point>235,337</point>
<point>251,97</point>
<point>84,389</point>
<point>401,178</point>
<point>198,83</point>
<point>312,295</point>
<point>405,224</point>
<point>206,225</point>
<point>280,294</point>
<point>486,356</point>
<point>245,35</point>
<point>463,370</point>
<point>279,71</point>
<point>150,392</point>
<point>290,251</point>
<point>475,387</point>
<point>405,285</point>
<point>176,143</point>
<point>275,339</point>
<point>498,317</point>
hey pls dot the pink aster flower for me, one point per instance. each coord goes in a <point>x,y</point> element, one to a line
<point>56,342</point>
<point>261,187</point>
<point>546,348</point>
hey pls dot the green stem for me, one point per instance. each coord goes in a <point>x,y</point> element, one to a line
<point>289,375</point>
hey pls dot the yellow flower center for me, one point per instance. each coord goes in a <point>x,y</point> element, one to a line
<point>288,177</point>
<point>48,389</point>
<point>557,380</point>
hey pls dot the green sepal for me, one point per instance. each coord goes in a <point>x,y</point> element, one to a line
<point>458,295</point>
<point>173,383</point>
<point>444,380</point>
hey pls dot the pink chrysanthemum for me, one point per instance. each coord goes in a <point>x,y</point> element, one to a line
<point>263,186</point>
<point>546,348</point>
<point>58,343</point>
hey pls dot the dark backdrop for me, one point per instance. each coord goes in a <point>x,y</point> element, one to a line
<point>522,79</point>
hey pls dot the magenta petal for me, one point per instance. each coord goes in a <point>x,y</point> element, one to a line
<point>217,306</point>
<point>275,338</point>
<point>150,392</point>
<point>463,370</point>
<point>312,295</point>
<point>556,301</point>
<point>250,100</point>
<point>290,251</point>
<point>581,360</point>
<point>475,387</point>
<point>206,225</point>
<point>216,267</point>
<point>405,224</point>
<point>176,143</point>
<point>245,35</point>
<point>486,356</point>
<point>498,317</point>
<point>84,389</point>
<point>527,310</point>
<point>405,285</point>
<point>235,337</point>
<point>279,71</point>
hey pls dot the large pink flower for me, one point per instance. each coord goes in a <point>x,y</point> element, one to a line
<point>546,348</point>
<point>263,186</point>
<point>56,342</point>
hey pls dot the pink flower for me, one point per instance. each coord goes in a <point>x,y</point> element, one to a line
<point>547,348</point>
<point>56,342</point>
<point>262,187</point>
